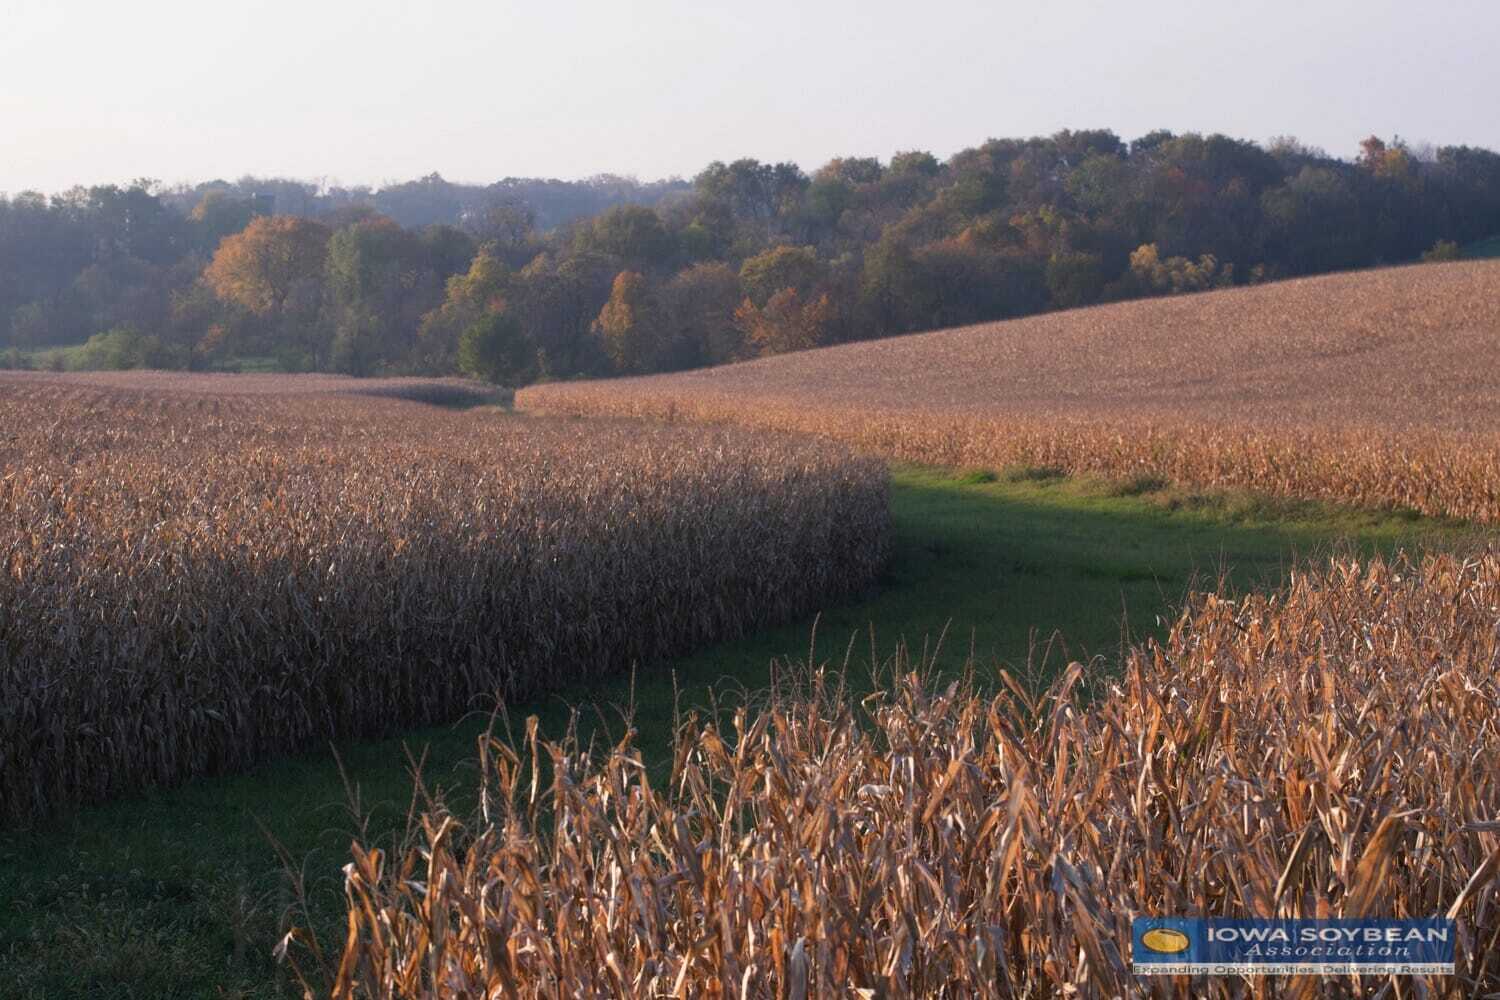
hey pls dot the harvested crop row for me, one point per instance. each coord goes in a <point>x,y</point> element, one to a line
<point>190,583</point>
<point>1359,388</point>
<point>1327,750</point>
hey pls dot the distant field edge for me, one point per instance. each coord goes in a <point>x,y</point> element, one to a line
<point>1358,388</point>
<point>1431,473</point>
<point>450,392</point>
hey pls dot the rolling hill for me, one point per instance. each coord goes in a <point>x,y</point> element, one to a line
<point>1373,387</point>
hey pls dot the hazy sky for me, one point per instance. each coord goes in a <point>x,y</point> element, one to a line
<point>361,92</point>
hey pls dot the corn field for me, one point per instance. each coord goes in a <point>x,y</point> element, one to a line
<point>1327,750</point>
<point>1358,388</point>
<point>193,581</point>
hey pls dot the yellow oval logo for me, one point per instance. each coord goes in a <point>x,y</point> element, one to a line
<point>1165,941</point>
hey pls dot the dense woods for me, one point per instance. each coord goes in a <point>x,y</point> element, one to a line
<point>526,280</point>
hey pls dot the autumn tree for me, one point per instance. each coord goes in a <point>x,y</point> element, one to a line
<point>470,296</point>
<point>787,322</point>
<point>265,267</point>
<point>782,267</point>
<point>1392,160</point>
<point>1177,274</point>
<point>274,270</point>
<point>629,325</point>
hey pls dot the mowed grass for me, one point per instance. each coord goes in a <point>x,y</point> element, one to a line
<point>181,894</point>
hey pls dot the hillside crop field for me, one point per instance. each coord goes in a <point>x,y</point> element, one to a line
<point>196,580</point>
<point>1369,388</point>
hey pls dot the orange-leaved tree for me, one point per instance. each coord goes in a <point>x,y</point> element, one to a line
<point>629,325</point>
<point>787,322</point>
<point>269,264</point>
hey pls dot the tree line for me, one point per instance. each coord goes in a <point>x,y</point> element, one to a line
<point>527,280</point>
